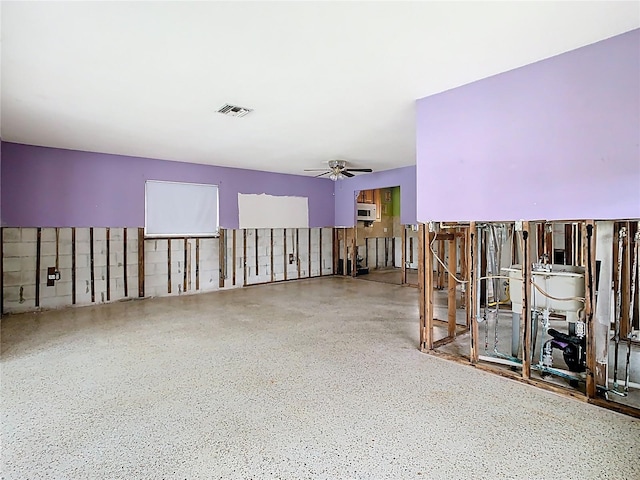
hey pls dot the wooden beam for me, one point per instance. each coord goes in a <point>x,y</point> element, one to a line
<point>526,309</point>
<point>335,248</point>
<point>298,251</point>
<point>345,262</point>
<point>271,254</point>
<point>354,252</point>
<point>38,250</point>
<point>108,263</point>
<point>169,265</point>
<point>197,264</point>
<point>589,254</point>
<point>141,262</point>
<point>309,254</point>
<point>73,265</point>
<point>233,256</point>
<point>92,263</point>
<point>320,249</point>
<point>421,286</point>
<point>548,241</point>
<point>222,257</point>
<point>472,267</point>
<point>627,243</point>
<point>124,262</point>
<point>184,267</point>
<point>257,265</point>
<point>286,255</point>
<point>404,256</point>
<point>244,257</point>
<point>452,266</point>
<point>386,251</point>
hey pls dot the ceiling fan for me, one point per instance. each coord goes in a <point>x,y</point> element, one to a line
<point>338,170</point>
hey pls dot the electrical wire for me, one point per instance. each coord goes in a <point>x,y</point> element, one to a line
<point>462,282</point>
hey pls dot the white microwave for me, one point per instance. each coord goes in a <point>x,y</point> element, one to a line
<point>366,212</point>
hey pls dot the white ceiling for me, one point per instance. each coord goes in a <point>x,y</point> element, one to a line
<point>326,80</point>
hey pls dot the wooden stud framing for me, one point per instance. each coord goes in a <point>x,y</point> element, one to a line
<point>233,257</point>
<point>188,263</point>
<point>404,256</point>
<point>451,288</point>
<point>271,254</point>
<point>124,262</point>
<point>108,262</point>
<point>589,254</point>
<point>421,287</point>
<point>285,256</point>
<point>320,249</point>
<point>354,252</point>
<point>244,257</point>
<point>184,265</point>
<point>92,263</point>
<point>440,282</point>
<point>168,265</point>
<point>548,241</point>
<point>393,251</point>
<point>38,249</point>
<point>526,309</point>
<point>141,262</point>
<point>297,256</point>
<point>309,254</point>
<point>335,249</point>
<point>626,281</point>
<point>222,258</point>
<point>473,261</point>
<point>255,232</point>
<point>197,264</point>
<point>73,265</point>
<point>386,251</point>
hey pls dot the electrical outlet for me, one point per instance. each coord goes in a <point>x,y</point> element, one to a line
<point>291,259</point>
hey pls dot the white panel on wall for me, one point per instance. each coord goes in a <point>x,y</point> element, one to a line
<point>180,209</point>
<point>269,211</point>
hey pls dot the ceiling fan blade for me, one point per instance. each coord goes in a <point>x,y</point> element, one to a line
<point>366,170</point>
<point>347,174</point>
<point>321,175</point>
<point>314,169</point>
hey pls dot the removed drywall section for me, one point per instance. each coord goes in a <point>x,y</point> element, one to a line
<point>270,211</point>
<point>557,139</point>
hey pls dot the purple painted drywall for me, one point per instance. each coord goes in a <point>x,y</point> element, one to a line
<point>558,139</point>
<point>347,190</point>
<point>49,187</point>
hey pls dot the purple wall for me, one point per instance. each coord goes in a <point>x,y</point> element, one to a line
<point>49,187</point>
<point>558,139</point>
<point>347,190</point>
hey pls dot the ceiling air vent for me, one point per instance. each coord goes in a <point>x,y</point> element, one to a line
<point>234,110</point>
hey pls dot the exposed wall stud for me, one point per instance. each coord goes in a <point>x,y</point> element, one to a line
<point>108,263</point>
<point>38,249</point>
<point>526,310</point>
<point>197,264</point>
<point>233,255</point>
<point>244,257</point>
<point>92,263</point>
<point>335,248</point>
<point>472,268</point>
<point>73,265</point>
<point>404,256</point>
<point>320,249</point>
<point>222,258</point>
<point>168,265</point>
<point>309,254</point>
<point>256,252</point>
<point>184,266</point>
<point>141,262</point>
<point>285,255</point>
<point>124,262</point>
<point>452,266</point>
<point>298,251</point>
<point>271,254</point>
<point>589,256</point>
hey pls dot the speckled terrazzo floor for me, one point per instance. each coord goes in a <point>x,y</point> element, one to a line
<point>311,379</point>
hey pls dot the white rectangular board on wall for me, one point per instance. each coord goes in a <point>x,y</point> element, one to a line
<point>174,209</point>
<point>271,211</point>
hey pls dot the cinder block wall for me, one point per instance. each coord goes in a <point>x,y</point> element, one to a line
<point>100,265</point>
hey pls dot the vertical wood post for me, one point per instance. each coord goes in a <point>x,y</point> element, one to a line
<point>73,265</point>
<point>38,249</point>
<point>169,265</point>
<point>354,252</point>
<point>141,262</point>
<point>474,292</point>
<point>222,258</point>
<point>124,262</point>
<point>108,264</point>
<point>404,255</point>
<point>92,262</point>
<point>526,309</point>
<point>452,266</point>
<point>589,254</point>
<point>271,254</point>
